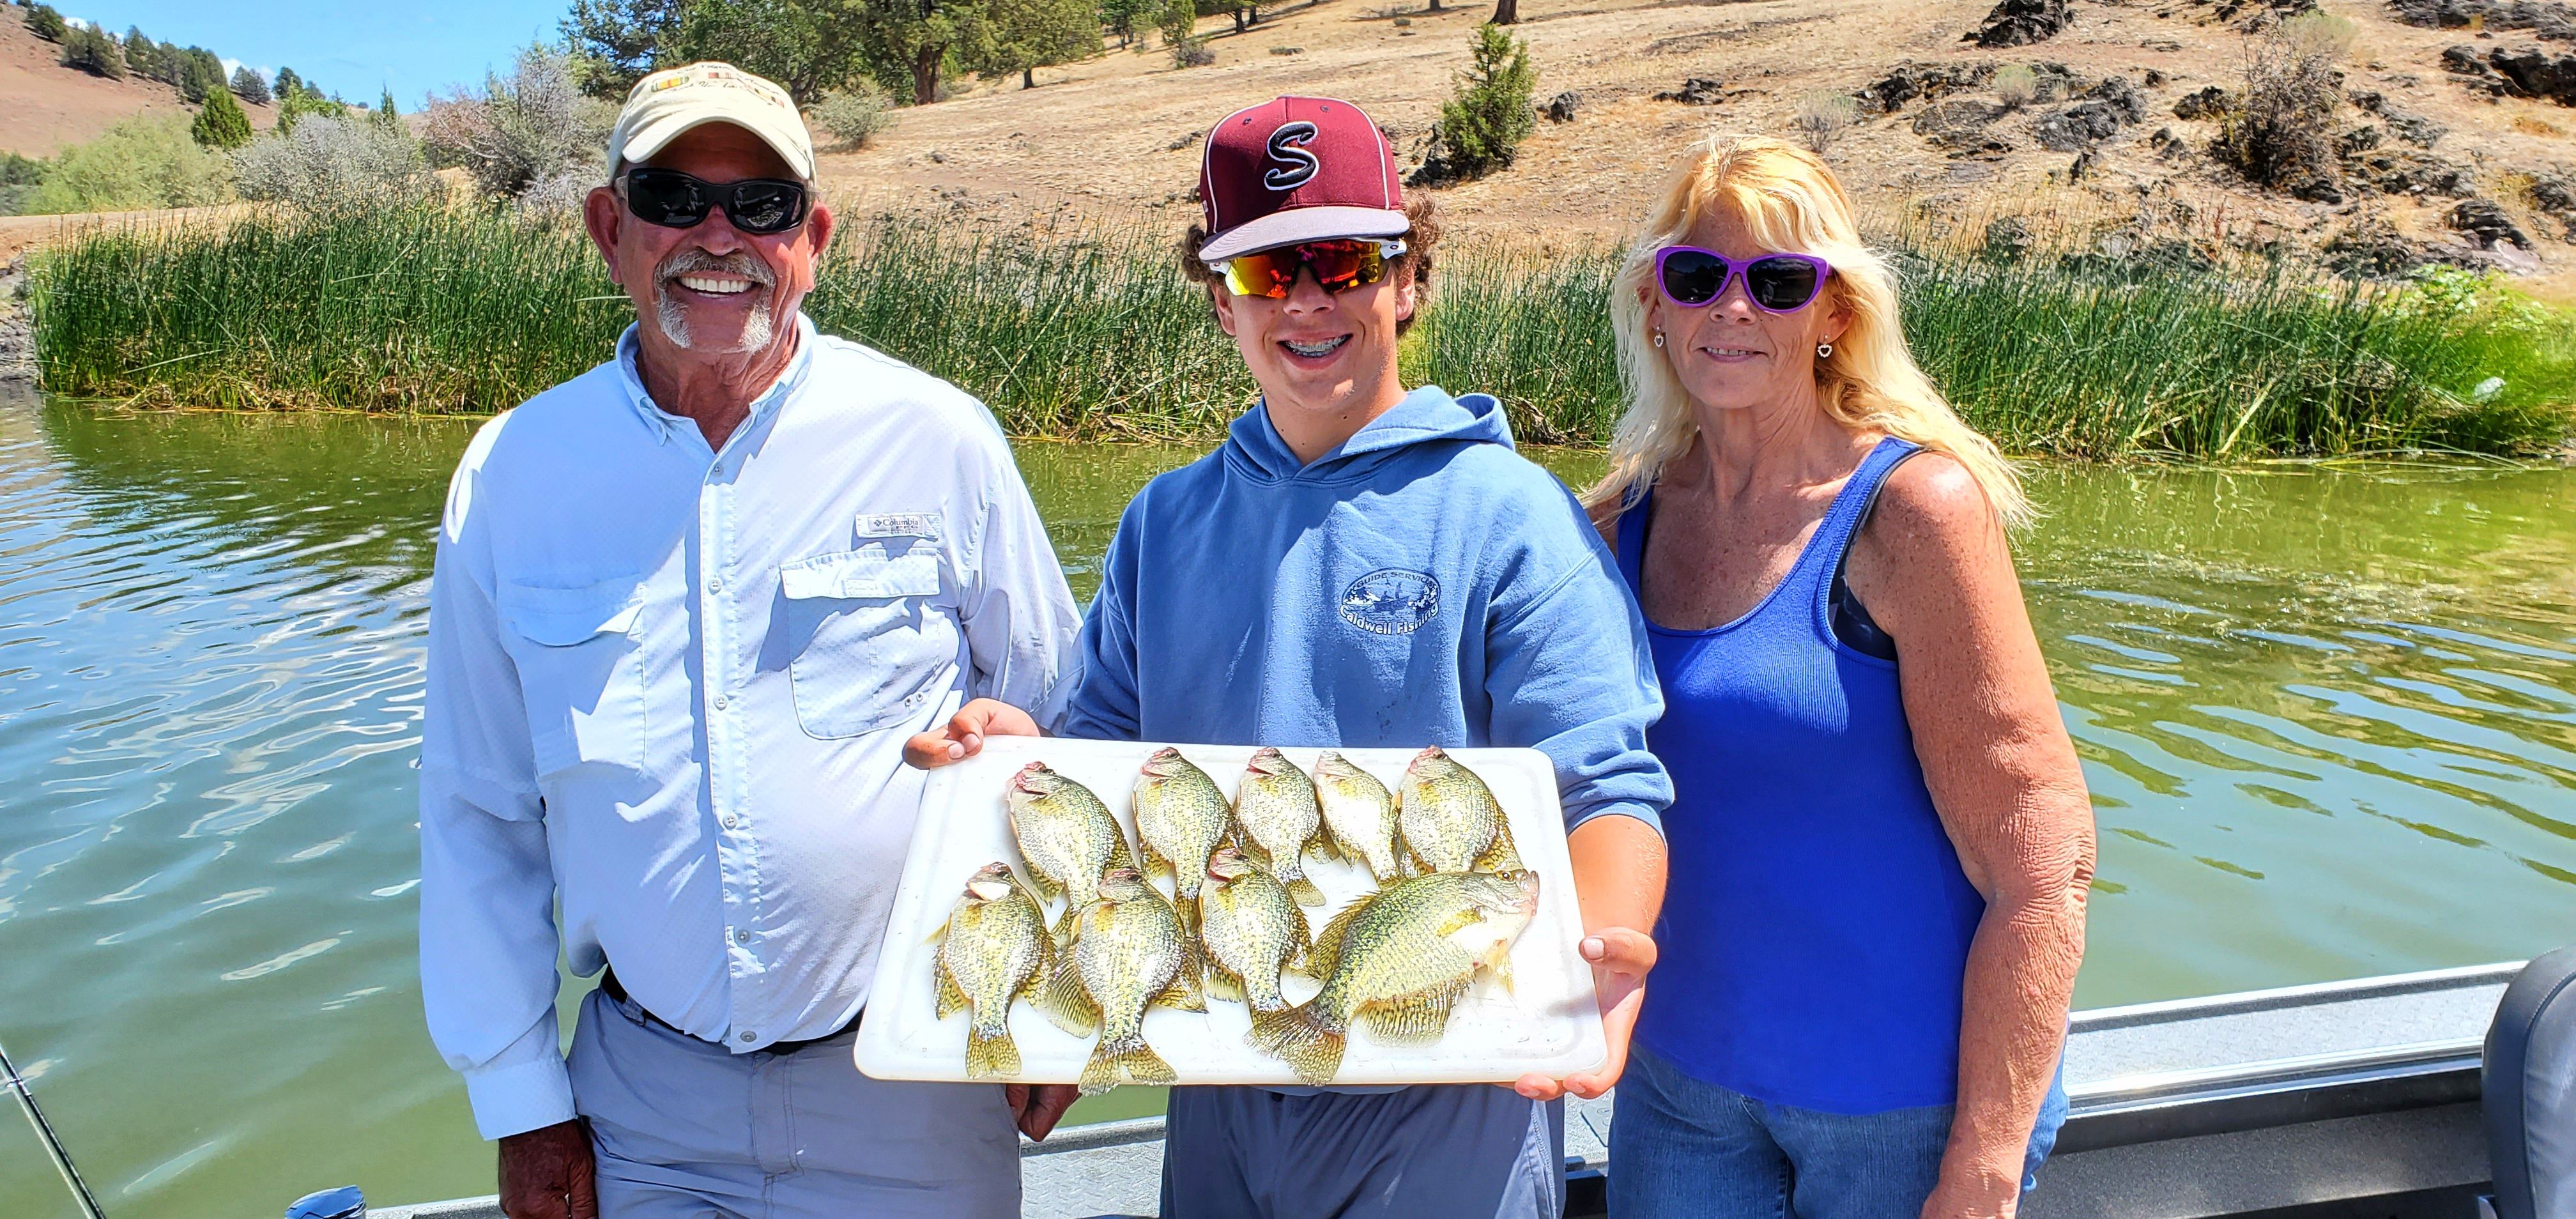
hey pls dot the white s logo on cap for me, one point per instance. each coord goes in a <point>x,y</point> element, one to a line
<point>1297,164</point>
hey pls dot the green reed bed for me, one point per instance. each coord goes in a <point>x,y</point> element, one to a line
<point>1087,330</point>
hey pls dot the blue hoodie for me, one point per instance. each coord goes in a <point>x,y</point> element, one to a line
<point>1422,584</point>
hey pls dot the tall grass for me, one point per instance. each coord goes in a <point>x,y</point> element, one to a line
<point>1086,330</point>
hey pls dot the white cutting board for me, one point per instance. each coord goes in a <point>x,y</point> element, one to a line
<point>1549,1023</point>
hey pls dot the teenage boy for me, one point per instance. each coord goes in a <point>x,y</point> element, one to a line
<point>1360,565</point>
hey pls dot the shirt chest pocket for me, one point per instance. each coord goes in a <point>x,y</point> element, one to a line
<point>869,642</point>
<point>581,670</point>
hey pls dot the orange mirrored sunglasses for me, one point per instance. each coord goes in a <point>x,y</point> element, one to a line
<point>1339,265</point>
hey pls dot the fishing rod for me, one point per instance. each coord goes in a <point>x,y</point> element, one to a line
<point>53,1143</point>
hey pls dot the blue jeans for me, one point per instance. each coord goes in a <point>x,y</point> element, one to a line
<point>1680,1146</point>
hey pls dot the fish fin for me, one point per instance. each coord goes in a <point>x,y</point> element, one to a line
<point>1302,1038</point>
<point>951,1000</point>
<point>1135,1063</point>
<point>1061,931</point>
<point>1045,885</point>
<point>1498,959</point>
<point>938,936</point>
<point>1119,855</point>
<point>991,1055</point>
<point>1327,845</point>
<point>1499,857</point>
<point>1415,1019</point>
<point>1253,850</point>
<point>1187,911</point>
<point>1223,983</point>
<point>1305,892</point>
<point>1301,947</point>
<point>1327,949</point>
<point>1065,1003</point>
<point>1187,992</point>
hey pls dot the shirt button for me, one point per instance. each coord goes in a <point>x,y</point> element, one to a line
<point>721,702</point>
<point>729,821</point>
<point>741,936</point>
<point>715,585</point>
<point>748,1036</point>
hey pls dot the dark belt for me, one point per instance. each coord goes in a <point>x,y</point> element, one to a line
<point>609,986</point>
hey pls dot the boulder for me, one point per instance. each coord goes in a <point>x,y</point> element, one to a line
<point>2549,20</point>
<point>2555,197</point>
<point>2079,126</point>
<point>2413,128</point>
<point>1560,108</point>
<point>1908,81</point>
<point>2209,104</point>
<point>2016,23</point>
<point>2463,59</point>
<point>2486,223</point>
<point>1696,91</point>
<point>2391,170</point>
<point>2533,72</point>
<point>1959,123</point>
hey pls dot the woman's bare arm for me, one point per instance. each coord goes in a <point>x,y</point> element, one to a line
<point>1933,569</point>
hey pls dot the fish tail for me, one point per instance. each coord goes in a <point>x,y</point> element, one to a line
<point>1302,1038</point>
<point>1303,890</point>
<point>1185,907</point>
<point>1130,1062</point>
<point>991,1055</point>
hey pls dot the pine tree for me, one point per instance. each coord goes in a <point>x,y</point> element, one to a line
<point>249,87</point>
<point>222,123</point>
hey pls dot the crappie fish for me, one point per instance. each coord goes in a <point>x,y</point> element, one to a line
<point>1180,817</point>
<point>1276,813</point>
<point>1128,953</point>
<point>993,948</point>
<point>1396,961</point>
<point>1360,816</point>
<point>1067,835</point>
<point>1449,820</point>
<point>1251,928</point>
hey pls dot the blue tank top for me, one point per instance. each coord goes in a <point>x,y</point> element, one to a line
<point>1815,930</point>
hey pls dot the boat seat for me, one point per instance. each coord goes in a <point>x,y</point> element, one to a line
<point>2530,1087</point>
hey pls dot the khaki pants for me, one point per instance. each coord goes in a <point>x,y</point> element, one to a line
<point>688,1130</point>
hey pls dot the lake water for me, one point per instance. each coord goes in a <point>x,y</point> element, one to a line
<point>2329,718</point>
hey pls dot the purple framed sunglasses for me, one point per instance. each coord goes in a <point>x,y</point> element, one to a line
<point>1776,283</point>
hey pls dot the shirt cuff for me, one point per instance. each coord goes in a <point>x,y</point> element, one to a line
<point>520,1096</point>
<point>1638,809</point>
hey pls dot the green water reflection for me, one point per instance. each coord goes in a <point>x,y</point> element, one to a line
<point>2329,718</point>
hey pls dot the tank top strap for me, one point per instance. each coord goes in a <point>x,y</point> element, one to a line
<point>1824,554</point>
<point>1631,533</point>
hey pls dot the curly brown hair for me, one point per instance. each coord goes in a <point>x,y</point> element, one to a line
<point>1415,261</point>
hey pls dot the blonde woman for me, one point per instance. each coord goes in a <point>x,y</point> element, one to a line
<point>1881,841</point>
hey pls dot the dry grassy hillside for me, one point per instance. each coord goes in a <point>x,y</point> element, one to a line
<point>1117,133</point>
<point>48,105</point>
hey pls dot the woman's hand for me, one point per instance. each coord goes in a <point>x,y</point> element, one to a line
<point>1621,958</point>
<point>1037,1107</point>
<point>1970,1194</point>
<point>962,737</point>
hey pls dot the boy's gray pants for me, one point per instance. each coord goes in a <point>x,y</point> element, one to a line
<point>1437,1151</point>
<point>687,1129</point>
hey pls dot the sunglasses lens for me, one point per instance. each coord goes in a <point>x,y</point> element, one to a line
<point>1693,278</point>
<point>1268,273</point>
<point>1343,265</point>
<point>665,198</point>
<point>767,207</point>
<point>1782,284</point>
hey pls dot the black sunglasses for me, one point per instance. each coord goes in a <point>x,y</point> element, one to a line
<point>674,200</point>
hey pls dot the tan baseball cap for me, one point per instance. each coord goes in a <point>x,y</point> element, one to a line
<point>675,100</point>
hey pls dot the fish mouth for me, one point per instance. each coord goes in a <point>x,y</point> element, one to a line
<point>1268,761</point>
<point>1430,753</point>
<point>989,890</point>
<point>1227,864</point>
<point>1022,780</point>
<point>1160,765</point>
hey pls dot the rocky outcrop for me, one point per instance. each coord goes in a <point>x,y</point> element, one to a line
<point>2546,19</point>
<point>2107,107</point>
<point>2537,73</point>
<point>1696,91</point>
<point>2019,23</point>
<point>1961,125</point>
<point>1560,108</point>
<point>1910,81</point>
<point>2554,196</point>
<point>2209,103</point>
<point>2486,223</point>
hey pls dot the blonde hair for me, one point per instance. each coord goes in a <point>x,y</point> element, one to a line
<point>1787,200</point>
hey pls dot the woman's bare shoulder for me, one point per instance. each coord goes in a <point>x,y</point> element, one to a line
<point>1933,546</point>
<point>1931,495</point>
<point>1605,521</point>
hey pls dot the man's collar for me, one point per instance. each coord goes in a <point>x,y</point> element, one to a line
<point>664,424</point>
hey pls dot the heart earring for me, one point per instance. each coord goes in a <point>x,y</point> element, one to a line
<point>1659,338</point>
<point>1824,351</point>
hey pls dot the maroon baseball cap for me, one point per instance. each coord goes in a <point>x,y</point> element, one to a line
<point>1297,169</point>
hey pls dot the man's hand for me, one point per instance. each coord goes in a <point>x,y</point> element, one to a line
<point>1037,1107</point>
<point>1620,961</point>
<point>548,1173</point>
<point>963,735</point>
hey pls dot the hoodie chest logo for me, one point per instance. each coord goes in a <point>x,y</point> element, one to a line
<point>1391,601</point>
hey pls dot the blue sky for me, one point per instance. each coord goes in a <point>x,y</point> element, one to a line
<point>353,49</point>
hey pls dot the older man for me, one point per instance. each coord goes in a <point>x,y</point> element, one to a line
<point>687,607</point>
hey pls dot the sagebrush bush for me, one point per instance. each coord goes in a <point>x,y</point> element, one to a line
<point>1821,116</point>
<point>857,114</point>
<point>2280,132</point>
<point>2015,85</point>
<point>333,161</point>
<point>521,129</point>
